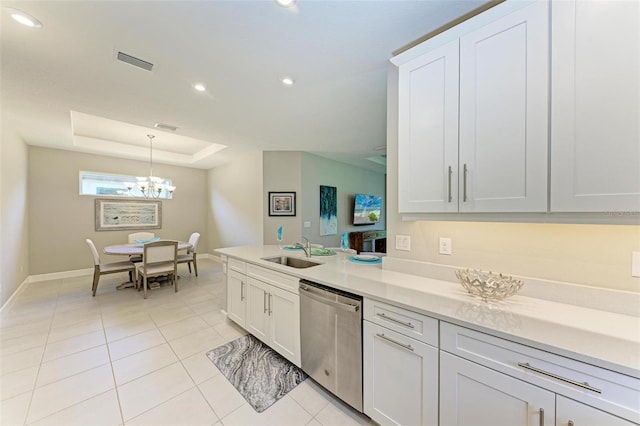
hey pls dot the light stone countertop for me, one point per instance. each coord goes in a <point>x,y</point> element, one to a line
<point>601,338</point>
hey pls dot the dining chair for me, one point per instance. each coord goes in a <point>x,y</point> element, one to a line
<point>158,258</point>
<point>139,236</point>
<point>190,257</point>
<point>106,268</point>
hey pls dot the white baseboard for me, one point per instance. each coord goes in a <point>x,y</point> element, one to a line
<point>15,294</point>
<point>60,275</point>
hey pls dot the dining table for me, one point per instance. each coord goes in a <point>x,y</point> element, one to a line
<point>134,249</point>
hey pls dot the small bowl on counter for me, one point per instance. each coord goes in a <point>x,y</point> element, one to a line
<point>489,286</point>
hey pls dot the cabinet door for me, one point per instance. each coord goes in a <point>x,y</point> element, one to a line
<point>258,309</point>
<point>473,395</point>
<point>236,297</point>
<point>400,378</point>
<point>504,69</point>
<point>284,315</point>
<point>573,413</point>
<point>595,106</point>
<point>428,132</point>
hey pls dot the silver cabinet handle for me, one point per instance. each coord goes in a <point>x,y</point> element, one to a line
<point>542,417</point>
<point>344,306</point>
<point>584,385</point>
<point>264,301</point>
<point>406,324</point>
<point>464,183</point>
<point>382,336</point>
<point>270,302</point>
<point>241,291</point>
<point>449,185</point>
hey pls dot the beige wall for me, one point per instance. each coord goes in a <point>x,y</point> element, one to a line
<point>60,219</point>
<point>14,245</point>
<point>595,255</point>
<point>234,213</point>
<point>348,180</point>
<point>283,173</point>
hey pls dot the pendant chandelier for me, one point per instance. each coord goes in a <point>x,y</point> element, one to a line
<point>151,186</point>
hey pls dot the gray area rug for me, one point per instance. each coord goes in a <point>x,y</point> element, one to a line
<point>259,373</point>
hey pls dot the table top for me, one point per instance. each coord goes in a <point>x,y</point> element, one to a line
<point>133,249</point>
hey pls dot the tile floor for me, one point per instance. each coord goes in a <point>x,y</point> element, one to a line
<point>67,358</point>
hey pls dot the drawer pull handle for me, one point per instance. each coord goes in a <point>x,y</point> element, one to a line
<point>542,417</point>
<point>406,324</point>
<point>584,385</point>
<point>382,336</point>
<point>464,183</point>
<point>241,291</point>
<point>449,197</point>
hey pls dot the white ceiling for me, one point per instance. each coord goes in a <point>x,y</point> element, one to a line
<point>62,87</point>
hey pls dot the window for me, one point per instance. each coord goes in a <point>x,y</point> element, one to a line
<point>111,185</point>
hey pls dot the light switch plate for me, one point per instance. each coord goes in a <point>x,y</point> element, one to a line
<point>403,242</point>
<point>307,224</point>
<point>445,245</point>
<point>635,264</point>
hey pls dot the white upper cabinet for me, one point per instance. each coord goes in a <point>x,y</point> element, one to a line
<point>595,122</point>
<point>504,68</point>
<point>473,116</point>
<point>428,129</point>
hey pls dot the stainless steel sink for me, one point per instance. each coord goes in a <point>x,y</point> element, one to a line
<point>294,262</point>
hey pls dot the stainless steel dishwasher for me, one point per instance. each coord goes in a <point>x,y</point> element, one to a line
<point>331,340</point>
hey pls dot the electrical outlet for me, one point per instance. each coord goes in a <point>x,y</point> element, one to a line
<point>307,224</point>
<point>403,242</point>
<point>635,264</point>
<point>445,245</point>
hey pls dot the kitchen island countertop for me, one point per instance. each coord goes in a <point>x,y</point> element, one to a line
<point>605,339</point>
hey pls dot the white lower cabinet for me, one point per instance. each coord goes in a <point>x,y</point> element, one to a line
<point>237,297</point>
<point>400,372</point>
<point>474,395</point>
<point>273,316</point>
<point>573,413</point>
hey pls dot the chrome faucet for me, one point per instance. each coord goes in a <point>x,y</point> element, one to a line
<point>306,247</point>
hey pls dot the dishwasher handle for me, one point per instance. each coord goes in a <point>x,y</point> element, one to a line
<point>343,306</point>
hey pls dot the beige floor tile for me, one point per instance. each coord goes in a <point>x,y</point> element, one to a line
<point>314,422</point>
<point>130,345</point>
<point>189,408</point>
<point>142,363</point>
<point>100,410</point>
<point>182,328</point>
<point>67,332</point>
<point>70,365</point>
<point>221,395</point>
<point>200,367</point>
<point>73,345</point>
<point>171,315</point>
<point>310,396</point>
<point>70,318</point>
<point>13,411</point>
<point>31,327</point>
<point>138,325</point>
<point>198,342</point>
<point>214,317</point>
<point>338,414</point>
<point>22,343</point>
<point>285,412</point>
<point>140,395</point>
<point>229,330</point>
<point>64,393</point>
<point>18,382</point>
<point>20,360</point>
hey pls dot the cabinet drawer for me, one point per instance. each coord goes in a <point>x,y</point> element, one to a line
<point>284,281</point>
<point>237,265</point>
<point>610,391</point>
<point>411,324</point>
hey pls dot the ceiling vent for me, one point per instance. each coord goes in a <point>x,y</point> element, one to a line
<point>136,62</point>
<point>163,126</point>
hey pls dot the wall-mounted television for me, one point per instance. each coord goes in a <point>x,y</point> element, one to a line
<point>367,209</point>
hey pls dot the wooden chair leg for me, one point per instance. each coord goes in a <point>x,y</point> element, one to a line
<point>96,278</point>
<point>175,282</point>
<point>145,286</point>
<point>189,265</point>
<point>195,265</point>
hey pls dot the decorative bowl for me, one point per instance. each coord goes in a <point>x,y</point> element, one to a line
<point>488,285</point>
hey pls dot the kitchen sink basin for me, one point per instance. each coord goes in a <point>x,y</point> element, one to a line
<point>294,262</point>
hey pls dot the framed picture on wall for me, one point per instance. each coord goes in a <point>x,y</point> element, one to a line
<point>116,215</point>
<point>282,203</point>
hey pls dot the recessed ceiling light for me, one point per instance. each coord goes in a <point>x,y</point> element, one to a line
<point>285,3</point>
<point>200,87</point>
<point>287,81</point>
<point>24,18</point>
